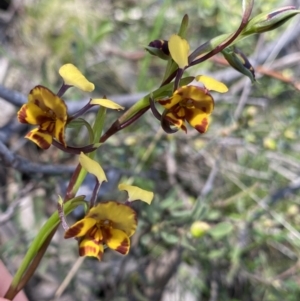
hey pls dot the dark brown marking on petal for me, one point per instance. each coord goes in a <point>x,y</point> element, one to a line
<point>173,121</point>
<point>83,251</point>
<point>100,254</point>
<point>180,114</point>
<point>40,141</point>
<point>106,234</point>
<point>164,101</point>
<point>73,231</point>
<point>22,114</point>
<point>37,102</point>
<point>135,217</point>
<point>61,138</point>
<point>43,119</point>
<point>123,248</point>
<point>204,109</point>
<point>50,128</point>
<point>203,126</point>
<point>92,232</point>
<point>183,127</point>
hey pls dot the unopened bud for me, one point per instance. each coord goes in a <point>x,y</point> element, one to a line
<point>159,48</point>
<point>198,229</point>
<point>266,22</point>
<point>239,62</point>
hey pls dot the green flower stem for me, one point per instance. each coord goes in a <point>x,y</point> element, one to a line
<point>29,264</point>
<point>97,129</point>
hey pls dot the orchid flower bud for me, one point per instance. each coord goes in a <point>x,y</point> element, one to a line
<point>266,22</point>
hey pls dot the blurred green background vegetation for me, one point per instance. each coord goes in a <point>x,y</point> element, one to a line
<point>241,178</point>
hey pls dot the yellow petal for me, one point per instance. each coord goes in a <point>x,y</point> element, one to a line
<point>42,139</point>
<point>136,193</point>
<point>50,103</point>
<point>73,77</point>
<point>198,98</point>
<point>30,113</point>
<point>118,241</point>
<point>59,131</point>
<point>106,103</point>
<point>172,101</point>
<point>212,84</point>
<point>80,228</point>
<point>121,216</point>
<point>92,167</point>
<point>179,50</point>
<point>197,119</point>
<point>88,247</point>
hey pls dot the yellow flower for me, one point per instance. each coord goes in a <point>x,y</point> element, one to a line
<point>49,112</point>
<point>109,223</point>
<point>192,103</point>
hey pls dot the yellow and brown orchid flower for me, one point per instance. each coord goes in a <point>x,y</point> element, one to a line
<point>108,223</point>
<point>49,112</point>
<point>192,103</point>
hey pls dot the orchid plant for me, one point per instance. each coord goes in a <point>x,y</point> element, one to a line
<point>179,100</point>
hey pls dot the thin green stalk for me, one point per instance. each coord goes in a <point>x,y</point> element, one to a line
<point>97,129</point>
<point>36,245</point>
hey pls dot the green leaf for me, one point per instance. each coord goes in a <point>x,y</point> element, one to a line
<point>169,238</point>
<point>221,230</point>
<point>217,254</point>
<point>184,26</point>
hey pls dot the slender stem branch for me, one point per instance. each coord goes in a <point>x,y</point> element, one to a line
<point>95,194</point>
<point>177,78</point>
<point>62,90</point>
<point>117,126</point>
<point>70,191</point>
<point>80,112</point>
<point>74,150</point>
<point>154,111</point>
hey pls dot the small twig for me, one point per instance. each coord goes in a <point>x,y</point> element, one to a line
<point>10,159</point>
<point>10,211</point>
<point>69,277</point>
